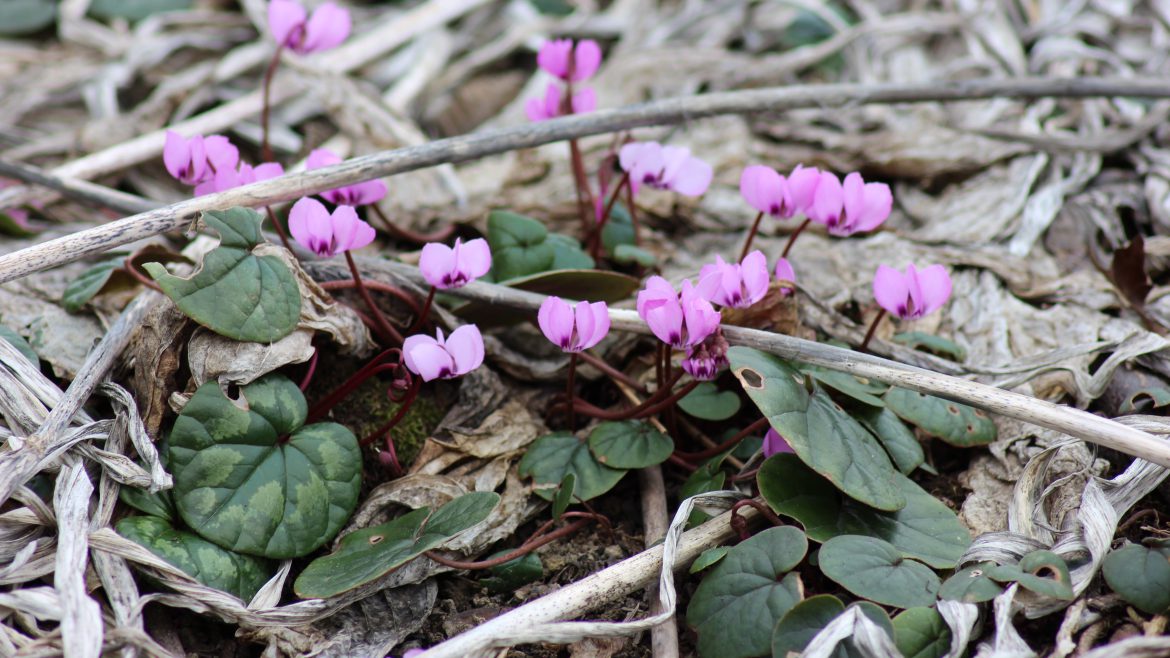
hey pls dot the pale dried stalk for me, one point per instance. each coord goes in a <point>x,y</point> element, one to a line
<point>81,618</point>
<point>469,147</point>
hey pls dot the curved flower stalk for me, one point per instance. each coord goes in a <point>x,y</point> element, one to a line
<point>910,295</point>
<point>736,285</point>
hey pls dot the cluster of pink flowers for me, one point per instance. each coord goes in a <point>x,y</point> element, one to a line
<point>664,168</point>
<point>569,62</point>
<point>843,208</point>
<point>212,163</point>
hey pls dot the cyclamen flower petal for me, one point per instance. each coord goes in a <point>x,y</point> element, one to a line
<point>766,191</point>
<point>549,107</point>
<point>828,201</point>
<point>573,329</point>
<point>358,194</point>
<point>867,205</point>
<point>328,27</point>
<point>739,285</point>
<point>226,179</point>
<point>328,234</point>
<point>444,358</point>
<point>665,168</point>
<point>784,272</point>
<point>555,56</point>
<point>914,294</point>
<point>185,159</point>
<point>680,319</point>
<point>704,360</point>
<point>453,267</point>
<point>802,185</point>
<point>285,19</point>
<point>774,443</point>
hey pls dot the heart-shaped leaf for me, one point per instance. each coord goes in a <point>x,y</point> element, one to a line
<point>925,529</point>
<point>591,285</point>
<point>708,558</point>
<point>823,435</point>
<point>514,574</point>
<point>519,245</point>
<point>20,344</point>
<point>628,254</point>
<point>236,293</point>
<point>898,440</point>
<point>708,477</point>
<point>564,496</point>
<point>567,253</point>
<point>1141,576</point>
<point>971,585</point>
<point>155,504</point>
<point>917,340</point>
<point>619,230</point>
<point>551,457</point>
<point>135,10</point>
<point>803,622</point>
<point>865,392</point>
<point>240,575</point>
<point>250,478</point>
<point>370,553</point>
<point>1042,572</point>
<point>957,424</point>
<point>874,569</point>
<point>89,283</point>
<point>629,444</point>
<point>709,403</point>
<point>922,633</point>
<point>741,599</point>
<point>26,16</point>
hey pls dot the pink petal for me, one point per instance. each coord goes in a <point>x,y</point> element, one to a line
<point>308,221</point>
<point>764,189</point>
<point>586,59</point>
<point>221,153</point>
<point>756,277</point>
<point>226,179</point>
<point>631,153</point>
<point>784,271</point>
<point>854,198</point>
<point>327,28</point>
<point>466,347</point>
<point>554,57</point>
<point>701,318</point>
<point>368,192</point>
<point>802,185</point>
<point>665,318</point>
<point>534,110</point>
<point>347,230</point>
<point>436,262</point>
<point>321,158</point>
<point>934,284</point>
<point>266,171</point>
<point>601,322</point>
<point>555,320</point>
<point>475,258</point>
<point>828,202</point>
<point>878,202</point>
<point>583,322</point>
<point>674,158</point>
<point>774,443</point>
<point>427,359</point>
<point>710,286</point>
<point>176,155</point>
<point>657,288</point>
<point>284,17</point>
<point>693,178</point>
<point>890,290</point>
<point>584,101</point>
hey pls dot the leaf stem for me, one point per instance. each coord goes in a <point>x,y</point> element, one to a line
<point>404,406</point>
<point>726,445</point>
<point>308,378</point>
<point>426,309</point>
<point>384,326</point>
<point>747,245</point>
<point>872,328</point>
<point>523,550</point>
<point>569,390</point>
<point>595,238</point>
<point>792,238</point>
<point>280,231</point>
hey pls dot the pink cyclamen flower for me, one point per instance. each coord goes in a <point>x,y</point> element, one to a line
<point>706,359</point>
<point>774,443</point>
<point>739,285</point>
<point>665,168</point>
<point>358,194</point>
<point>784,272</point>
<point>680,319</point>
<point>246,174</point>
<point>293,29</point>
<point>560,58</point>
<point>854,207</point>
<point>913,294</point>
<point>453,267</point>
<point>327,234</point>
<point>573,329</point>
<point>195,160</point>
<point>439,358</point>
<point>549,107</point>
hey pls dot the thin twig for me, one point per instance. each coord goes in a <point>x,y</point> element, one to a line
<point>79,190</point>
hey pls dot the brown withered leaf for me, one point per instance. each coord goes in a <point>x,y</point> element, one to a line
<point>1128,272</point>
<point>777,311</point>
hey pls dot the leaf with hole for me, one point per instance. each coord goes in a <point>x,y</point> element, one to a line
<point>917,340</point>
<point>957,424</point>
<point>514,574</point>
<point>925,529</point>
<point>370,553</point>
<point>971,585</point>
<point>1042,572</point>
<point>922,633</point>
<point>823,435</point>
<point>239,575</point>
<point>89,283</point>
<point>553,456</point>
<point>709,403</point>
<point>1141,576</point>
<point>741,599</point>
<point>898,440</point>
<point>629,444</point>
<point>874,569</point>
<point>234,292</point>
<point>251,477</point>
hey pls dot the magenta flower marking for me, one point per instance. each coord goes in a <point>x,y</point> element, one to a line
<point>913,294</point>
<point>328,234</point>
<point>739,285</point>
<point>573,329</point>
<point>706,359</point>
<point>358,194</point>
<point>665,168</point>
<point>851,208</point>
<point>774,443</point>
<point>550,107</point>
<point>328,27</point>
<point>196,160</point>
<point>784,272</point>
<point>226,179</point>
<point>681,319</point>
<point>439,358</point>
<point>561,59</point>
<point>453,267</point>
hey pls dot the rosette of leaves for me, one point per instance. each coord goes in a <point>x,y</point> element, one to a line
<point>251,477</point>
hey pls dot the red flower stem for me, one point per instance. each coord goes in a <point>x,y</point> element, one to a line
<point>308,378</point>
<point>681,463</point>
<point>279,231</point>
<point>633,215</point>
<point>511,555</point>
<point>131,267</point>
<point>569,390</point>
<point>398,293</point>
<point>612,372</point>
<point>872,328</point>
<point>763,509</point>
<point>595,240</point>
<point>374,366</point>
<point>592,411</point>
<point>384,327</point>
<point>669,402</point>
<point>415,385</point>
<point>730,443</point>
<point>792,238</point>
<point>584,202</point>
<point>266,109</point>
<point>752,236</point>
<point>426,309</point>
<point>406,235</point>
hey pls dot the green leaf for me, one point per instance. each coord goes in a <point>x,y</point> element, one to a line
<point>922,633</point>
<point>9,223</point>
<point>519,245</point>
<point>628,254</point>
<point>925,529</point>
<point>155,504</point>
<point>513,574</point>
<point>368,554</point>
<point>551,457</point>
<point>802,623</point>
<point>234,292</point>
<point>249,478</point>
<point>971,585</point>
<point>709,403</point>
<point>564,496</point>
<point>592,285</point>
<point>874,569</point>
<point>826,438</point>
<point>957,424</point>
<point>20,344</point>
<point>135,10</point>
<point>1042,572</point>
<point>618,230</point>
<point>553,7</point>
<point>89,284</point>
<point>19,17</point>
<point>708,477</point>
<point>917,340</point>
<point>1141,576</point>
<point>629,444</point>
<point>567,253</point>
<point>708,558</point>
<point>741,599</point>
<point>240,575</point>
<point>898,440</point>
<point>865,392</point>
